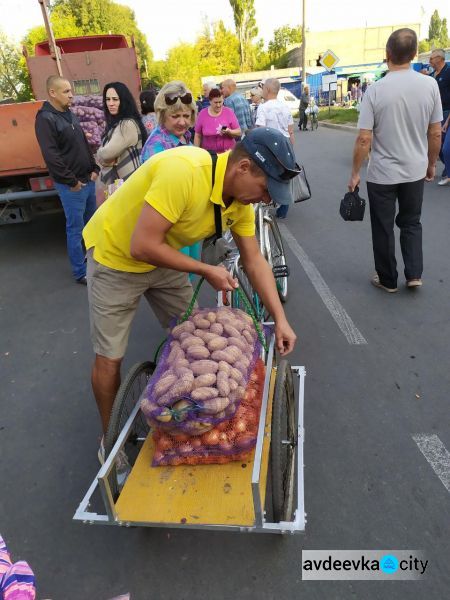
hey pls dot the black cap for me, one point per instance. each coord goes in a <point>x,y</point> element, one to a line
<point>273,153</point>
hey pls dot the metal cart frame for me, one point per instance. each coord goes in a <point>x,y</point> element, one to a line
<point>261,525</point>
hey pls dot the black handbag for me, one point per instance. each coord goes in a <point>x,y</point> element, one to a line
<point>300,187</point>
<point>352,206</point>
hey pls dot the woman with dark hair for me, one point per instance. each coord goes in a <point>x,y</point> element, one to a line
<point>147,100</point>
<point>119,154</point>
<point>217,127</point>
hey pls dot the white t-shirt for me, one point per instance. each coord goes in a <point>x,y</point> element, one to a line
<point>275,114</point>
<point>398,109</point>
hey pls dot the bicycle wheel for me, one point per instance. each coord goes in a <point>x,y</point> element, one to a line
<point>127,396</point>
<point>315,122</point>
<point>276,257</point>
<point>283,444</point>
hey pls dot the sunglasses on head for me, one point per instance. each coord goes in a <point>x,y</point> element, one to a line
<point>172,98</point>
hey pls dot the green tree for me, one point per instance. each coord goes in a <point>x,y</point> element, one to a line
<point>246,30</point>
<point>434,29</point>
<point>282,38</point>
<point>438,31</point>
<point>72,18</point>
<point>14,79</point>
<point>218,49</point>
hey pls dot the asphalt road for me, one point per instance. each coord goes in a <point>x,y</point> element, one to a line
<point>367,484</point>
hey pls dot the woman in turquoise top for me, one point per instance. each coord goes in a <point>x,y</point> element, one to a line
<point>175,110</point>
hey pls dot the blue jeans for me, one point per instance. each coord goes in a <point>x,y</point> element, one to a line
<point>282,211</point>
<point>78,208</point>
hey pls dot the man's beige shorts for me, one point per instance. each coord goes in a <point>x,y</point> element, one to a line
<point>114,297</point>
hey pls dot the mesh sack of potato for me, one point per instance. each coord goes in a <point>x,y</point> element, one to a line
<point>229,440</point>
<point>203,371</point>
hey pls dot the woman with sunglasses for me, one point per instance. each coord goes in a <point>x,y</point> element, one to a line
<point>175,110</point>
<point>217,127</point>
<point>119,154</point>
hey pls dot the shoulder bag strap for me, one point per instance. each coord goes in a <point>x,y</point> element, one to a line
<point>217,209</point>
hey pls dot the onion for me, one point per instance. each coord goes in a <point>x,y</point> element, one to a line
<point>240,426</point>
<point>211,438</point>
<point>164,443</point>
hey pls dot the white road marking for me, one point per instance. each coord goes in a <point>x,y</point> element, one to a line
<point>338,312</point>
<point>436,454</point>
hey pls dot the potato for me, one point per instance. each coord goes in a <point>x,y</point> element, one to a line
<point>191,340</point>
<point>164,384</point>
<point>217,343</point>
<point>248,336</point>
<point>204,393</point>
<point>236,374</point>
<point>223,384</point>
<point>204,380</point>
<point>230,330</point>
<point>211,316</point>
<point>202,367</point>
<point>206,336</point>
<point>224,366</point>
<point>233,384</point>
<point>200,322</point>
<point>214,405</point>
<point>216,328</point>
<point>240,343</point>
<point>230,355</point>
<point>197,352</point>
<point>185,327</point>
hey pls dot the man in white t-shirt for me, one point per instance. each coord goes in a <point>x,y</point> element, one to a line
<point>273,113</point>
<point>400,121</point>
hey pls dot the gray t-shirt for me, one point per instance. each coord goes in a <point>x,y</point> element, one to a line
<point>399,109</point>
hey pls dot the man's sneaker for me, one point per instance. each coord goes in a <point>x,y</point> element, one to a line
<point>81,280</point>
<point>413,283</point>
<point>444,181</point>
<point>376,282</point>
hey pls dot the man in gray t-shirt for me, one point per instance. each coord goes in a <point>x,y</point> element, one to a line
<point>400,122</point>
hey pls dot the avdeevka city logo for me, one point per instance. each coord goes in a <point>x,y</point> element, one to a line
<point>389,563</point>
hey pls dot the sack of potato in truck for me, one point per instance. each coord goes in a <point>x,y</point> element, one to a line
<point>229,440</point>
<point>203,372</point>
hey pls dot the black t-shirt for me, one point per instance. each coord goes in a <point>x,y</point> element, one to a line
<point>443,81</point>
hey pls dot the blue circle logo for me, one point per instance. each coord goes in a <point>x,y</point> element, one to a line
<point>389,563</point>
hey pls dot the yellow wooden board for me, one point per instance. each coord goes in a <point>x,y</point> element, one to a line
<point>201,495</point>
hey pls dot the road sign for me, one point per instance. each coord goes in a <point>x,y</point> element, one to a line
<point>329,60</point>
<point>329,82</point>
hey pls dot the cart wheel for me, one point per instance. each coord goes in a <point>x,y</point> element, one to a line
<point>283,444</point>
<point>128,395</point>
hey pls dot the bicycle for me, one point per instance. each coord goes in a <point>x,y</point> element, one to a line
<point>312,112</point>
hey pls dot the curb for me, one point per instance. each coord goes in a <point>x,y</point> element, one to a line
<point>337,126</point>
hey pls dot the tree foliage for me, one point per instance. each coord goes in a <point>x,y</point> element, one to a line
<point>14,79</point>
<point>437,32</point>
<point>71,18</point>
<point>246,30</point>
<point>282,38</point>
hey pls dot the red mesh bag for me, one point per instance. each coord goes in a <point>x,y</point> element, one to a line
<point>227,441</point>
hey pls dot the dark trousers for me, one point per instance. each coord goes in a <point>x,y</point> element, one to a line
<point>382,199</point>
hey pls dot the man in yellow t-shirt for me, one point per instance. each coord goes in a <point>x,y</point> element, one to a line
<point>133,241</point>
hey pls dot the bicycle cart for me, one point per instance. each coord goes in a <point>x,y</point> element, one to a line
<point>264,494</point>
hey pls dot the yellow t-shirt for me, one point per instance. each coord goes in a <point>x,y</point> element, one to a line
<point>177,183</point>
